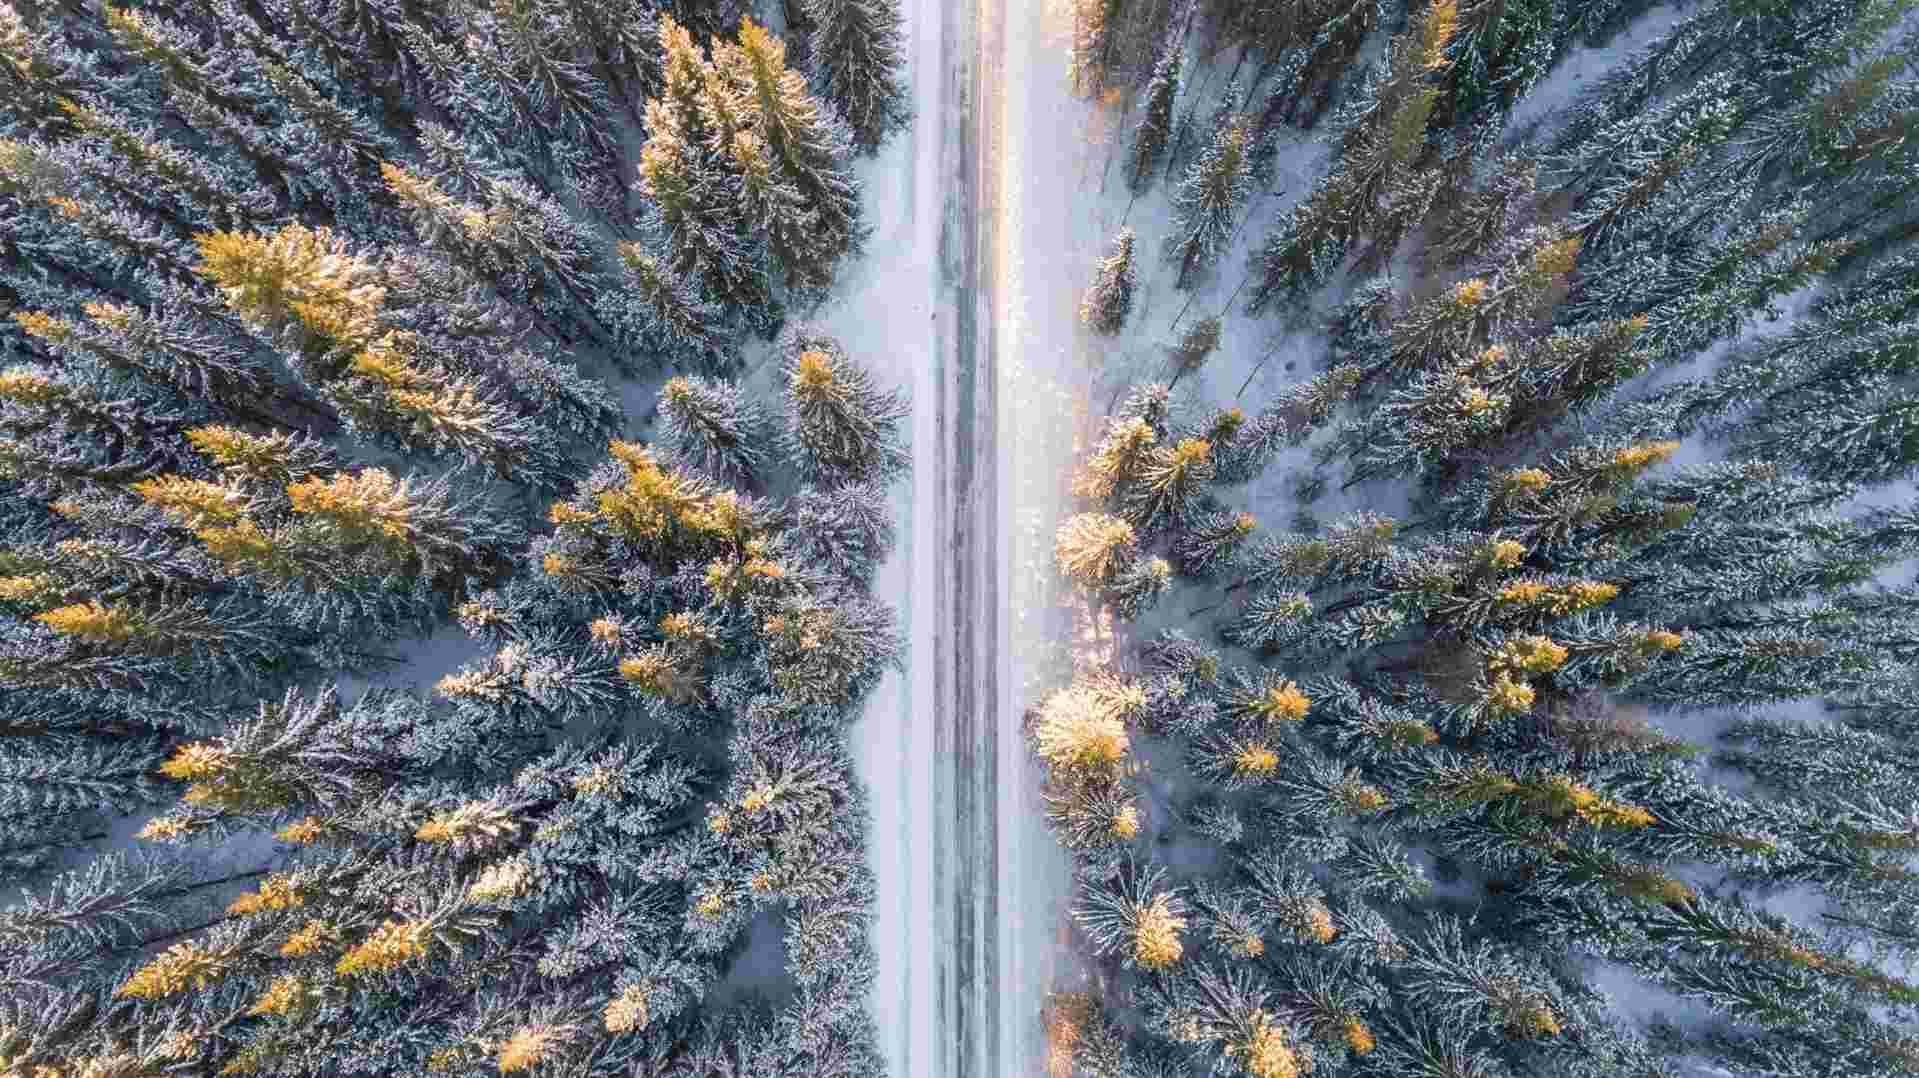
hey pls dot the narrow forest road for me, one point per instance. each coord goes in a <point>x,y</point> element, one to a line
<point>970,884</point>
<point>964,703</point>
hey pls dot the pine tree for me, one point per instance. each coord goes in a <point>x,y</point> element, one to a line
<point>1171,484</point>
<point>838,423</point>
<point>1107,302</point>
<point>168,347</point>
<point>847,528</point>
<point>1224,1016</point>
<point>857,46</point>
<point>1209,199</point>
<point>326,308</point>
<point>1138,587</point>
<point>1212,543</point>
<point>1132,915</point>
<point>1304,249</point>
<point>523,240</point>
<point>1155,128</point>
<point>1473,225</point>
<point>1288,420</point>
<point>690,187</point>
<point>670,312</point>
<point>711,428</point>
<point>168,180</point>
<point>806,147</point>
<point>1091,548</point>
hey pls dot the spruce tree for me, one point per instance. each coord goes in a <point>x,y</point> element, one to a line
<point>857,51</point>
<point>841,426</point>
<point>670,313</point>
<point>1155,128</point>
<point>1209,200</point>
<point>712,428</point>
<point>806,148</point>
<point>1107,302</point>
<point>691,188</point>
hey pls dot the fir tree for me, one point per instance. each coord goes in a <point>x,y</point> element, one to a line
<point>857,48</point>
<point>1209,199</point>
<point>1107,302</point>
<point>806,148</point>
<point>712,428</point>
<point>1156,119</point>
<point>841,426</point>
<point>670,311</point>
<point>691,187</point>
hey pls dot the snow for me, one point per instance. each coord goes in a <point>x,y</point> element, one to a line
<point>1050,232</point>
<point>758,973</point>
<point>883,316</point>
<point>427,659</point>
<point>1539,112</point>
<point>1632,996</point>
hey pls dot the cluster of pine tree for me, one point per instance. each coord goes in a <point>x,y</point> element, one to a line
<point>1417,772</point>
<point>307,306</point>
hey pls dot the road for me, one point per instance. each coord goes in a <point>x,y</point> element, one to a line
<point>970,884</point>
<point>967,597</point>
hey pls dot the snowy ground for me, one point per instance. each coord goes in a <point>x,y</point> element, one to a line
<point>884,316</point>
<point>1042,165</point>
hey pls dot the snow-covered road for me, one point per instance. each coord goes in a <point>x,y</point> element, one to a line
<point>966,296</point>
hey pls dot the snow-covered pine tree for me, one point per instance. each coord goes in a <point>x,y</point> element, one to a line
<point>1209,200</point>
<point>858,50</point>
<point>1109,299</point>
<point>1155,128</point>
<point>670,313</point>
<point>691,188</point>
<point>712,428</point>
<point>807,148</point>
<point>839,423</point>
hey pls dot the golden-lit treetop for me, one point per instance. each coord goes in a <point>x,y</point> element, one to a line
<point>296,273</point>
<point>1079,729</point>
<point>627,1010</point>
<point>1091,547</point>
<point>1156,943</point>
<point>387,948</point>
<point>1265,1053</point>
<point>368,504</point>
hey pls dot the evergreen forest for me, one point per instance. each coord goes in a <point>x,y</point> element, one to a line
<point>339,333</point>
<point>1525,689</point>
<point>445,535</point>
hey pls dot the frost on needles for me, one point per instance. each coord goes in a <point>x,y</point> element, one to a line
<point>316,321</point>
<point>1620,701</point>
